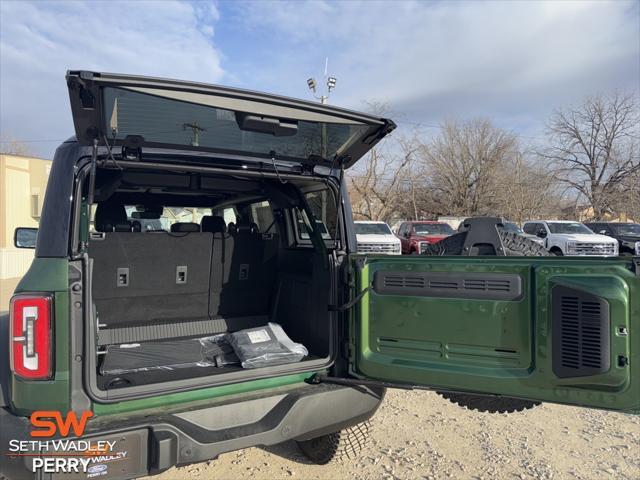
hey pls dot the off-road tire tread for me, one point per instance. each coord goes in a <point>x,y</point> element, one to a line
<point>344,444</point>
<point>489,404</point>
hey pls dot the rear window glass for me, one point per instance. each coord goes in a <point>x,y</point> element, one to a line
<point>512,227</point>
<point>372,229</point>
<point>166,121</point>
<point>632,229</point>
<point>568,227</point>
<point>432,229</point>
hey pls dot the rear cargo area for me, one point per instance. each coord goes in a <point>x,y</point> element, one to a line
<point>162,293</point>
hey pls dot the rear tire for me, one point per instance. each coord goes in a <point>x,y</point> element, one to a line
<point>487,404</point>
<point>514,245</point>
<point>344,444</point>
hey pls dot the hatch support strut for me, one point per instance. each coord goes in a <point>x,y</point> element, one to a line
<point>92,173</point>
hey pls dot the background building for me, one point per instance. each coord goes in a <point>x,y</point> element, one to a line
<point>23,181</point>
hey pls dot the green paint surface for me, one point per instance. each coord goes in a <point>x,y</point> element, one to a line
<point>499,347</point>
<point>47,275</point>
<point>198,396</point>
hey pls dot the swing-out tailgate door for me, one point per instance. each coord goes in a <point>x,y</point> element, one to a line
<point>564,330</point>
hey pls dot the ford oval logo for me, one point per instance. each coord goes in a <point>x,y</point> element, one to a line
<point>96,469</point>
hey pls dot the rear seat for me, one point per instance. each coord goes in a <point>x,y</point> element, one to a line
<point>155,285</point>
<point>243,271</point>
<point>148,278</point>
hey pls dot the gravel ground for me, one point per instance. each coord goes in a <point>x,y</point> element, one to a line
<point>421,435</point>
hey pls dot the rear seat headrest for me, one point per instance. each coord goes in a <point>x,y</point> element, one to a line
<point>125,227</point>
<point>213,224</point>
<point>246,227</point>
<point>185,227</point>
<point>110,216</point>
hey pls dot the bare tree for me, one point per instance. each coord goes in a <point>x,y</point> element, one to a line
<point>594,147</point>
<point>626,200</point>
<point>378,189</point>
<point>377,184</point>
<point>526,191</point>
<point>466,163</point>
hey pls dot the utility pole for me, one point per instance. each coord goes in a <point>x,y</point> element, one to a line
<point>330,82</point>
<point>196,129</point>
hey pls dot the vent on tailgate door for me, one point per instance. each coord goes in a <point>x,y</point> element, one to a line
<point>581,327</point>
<point>401,281</point>
<point>467,285</point>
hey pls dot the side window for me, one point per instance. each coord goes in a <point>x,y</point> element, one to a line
<point>530,228</point>
<point>154,218</point>
<point>229,215</point>
<point>261,214</point>
<point>323,206</point>
<point>600,227</point>
<point>171,215</point>
<point>402,230</point>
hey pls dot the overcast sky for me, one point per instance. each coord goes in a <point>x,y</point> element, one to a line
<point>511,61</point>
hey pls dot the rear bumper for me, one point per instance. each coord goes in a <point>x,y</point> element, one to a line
<point>152,445</point>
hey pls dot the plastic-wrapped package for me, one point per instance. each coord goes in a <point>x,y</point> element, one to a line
<point>169,355</point>
<point>265,346</point>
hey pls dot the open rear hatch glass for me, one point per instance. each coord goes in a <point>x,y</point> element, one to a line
<point>149,112</point>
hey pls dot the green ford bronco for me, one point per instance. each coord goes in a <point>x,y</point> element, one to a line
<point>183,211</point>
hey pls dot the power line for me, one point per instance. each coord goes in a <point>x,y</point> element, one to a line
<point>32,141</point>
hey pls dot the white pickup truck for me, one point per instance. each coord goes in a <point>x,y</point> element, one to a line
<point>562,237</point>
<point>376,237</point>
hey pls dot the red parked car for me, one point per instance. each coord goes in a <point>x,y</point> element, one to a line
<point>415,236</point>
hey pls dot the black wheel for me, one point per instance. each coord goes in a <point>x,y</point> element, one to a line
<point>557,252</point>
<point>514,245</point>
<point>345,444</point>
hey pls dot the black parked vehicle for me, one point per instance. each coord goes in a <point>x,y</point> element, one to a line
<point>627,234</point>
